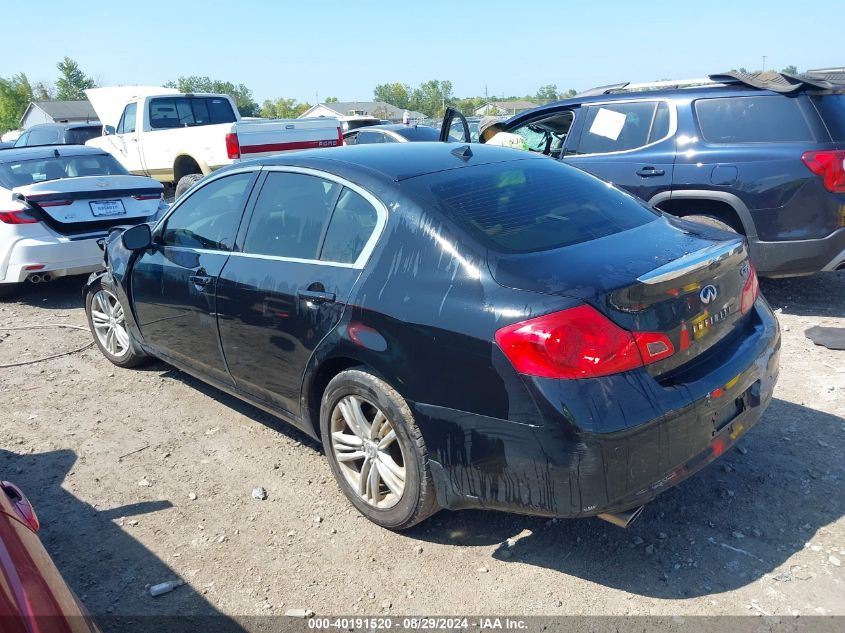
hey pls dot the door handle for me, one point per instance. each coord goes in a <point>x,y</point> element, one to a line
<point>646,172</point>
<point>316,296</point>
<point>201,281</point>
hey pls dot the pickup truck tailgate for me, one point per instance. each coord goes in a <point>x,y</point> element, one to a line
<point>260,138</point>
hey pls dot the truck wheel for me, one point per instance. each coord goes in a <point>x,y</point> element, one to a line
<point>709,220</point>
<point>185,183</point>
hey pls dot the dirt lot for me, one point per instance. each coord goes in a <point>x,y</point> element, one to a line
<point>143,476</point>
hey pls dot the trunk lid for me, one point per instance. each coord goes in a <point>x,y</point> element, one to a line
<point>669,276</point>
<point>87,203</point>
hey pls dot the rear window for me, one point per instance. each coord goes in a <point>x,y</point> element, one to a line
<point>531,205</point>
<point>78,135</point>
<point>171,112</point>
<point>45,136</point>
<point>28,172</point>
<point>832,109</point>
<point>763,119</point>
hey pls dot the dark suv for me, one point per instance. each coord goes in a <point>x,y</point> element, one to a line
<point>762,156</point>
<point>59,134</point>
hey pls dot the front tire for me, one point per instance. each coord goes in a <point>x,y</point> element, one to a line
<point>376,450</point>
<point>106,318</point>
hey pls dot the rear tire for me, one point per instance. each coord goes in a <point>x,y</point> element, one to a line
<point>107,322</point>
<point>709,220</point>
<point>185,183</point>
<point>376,450</point>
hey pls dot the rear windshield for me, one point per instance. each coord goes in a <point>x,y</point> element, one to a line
<point>28,172</point>
<point>832,109</point>
<point>763,119</point>
<point>419,133</point>
<point>170,112</point>
<point>530,205</point>
<point>78,135</point>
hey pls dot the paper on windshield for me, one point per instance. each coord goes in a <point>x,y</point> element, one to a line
<point>608,124</point>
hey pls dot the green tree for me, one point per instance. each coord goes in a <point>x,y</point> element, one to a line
<point>568,94</point>
<point>283,108</point>
<point>72,82</point>
<point>396,94</point>
<point>240,93</point>
<point>546,93</point>
<point>330,100</point>
<point>791,70</point>
<point>432,97</point>
<point>15,96</point>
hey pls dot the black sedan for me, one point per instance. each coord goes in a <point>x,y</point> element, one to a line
<point>397,133</point>
<point>461,326</point>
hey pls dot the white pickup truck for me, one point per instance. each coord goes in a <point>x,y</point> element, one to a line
<point>178,138</point>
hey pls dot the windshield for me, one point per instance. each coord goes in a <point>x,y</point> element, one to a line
<point>531,205</point>
<point>27,172</point>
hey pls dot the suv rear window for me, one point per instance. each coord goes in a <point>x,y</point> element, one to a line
<point>170,112</point>
<point>531,205</point>
<point>763,119</point>
<point>832,109</point>
<point>78,135</point>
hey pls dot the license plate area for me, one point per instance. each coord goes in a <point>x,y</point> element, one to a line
<point>725,412</point>
<point>105,208</point>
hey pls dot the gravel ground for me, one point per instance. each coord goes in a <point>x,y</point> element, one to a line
<point>143,476</point>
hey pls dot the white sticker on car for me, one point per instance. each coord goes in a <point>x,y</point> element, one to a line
<point>608,123</point>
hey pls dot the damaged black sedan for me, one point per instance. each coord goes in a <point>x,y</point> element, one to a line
<point>470,327</point>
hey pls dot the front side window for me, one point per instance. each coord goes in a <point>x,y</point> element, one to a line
<point>291,215</point>
<point>127,120</point>
<point>619,127</point>
<point>209,217</point>
<point>763,119</point>
<point>172,112</point>
<point>45,136</point>
<point>546,135</point>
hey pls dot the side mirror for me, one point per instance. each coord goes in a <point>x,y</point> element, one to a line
<point>137,238</point>
<point>108,130</point>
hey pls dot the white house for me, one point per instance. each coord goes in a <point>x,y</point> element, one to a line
<point>377,109</point>
<point>57,112</point>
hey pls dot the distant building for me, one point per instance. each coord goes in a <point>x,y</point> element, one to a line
<point>377,109</point>
<point>57,112</point>
<point>504,108</point>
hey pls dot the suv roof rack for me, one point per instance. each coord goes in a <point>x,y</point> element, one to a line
<point>769,80</point>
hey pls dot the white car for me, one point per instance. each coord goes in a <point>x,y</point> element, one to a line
<point>56,202</point>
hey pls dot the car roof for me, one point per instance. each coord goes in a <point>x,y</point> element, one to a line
<point>47,151</point>
<point>395,161</point>
<point>67,126</point>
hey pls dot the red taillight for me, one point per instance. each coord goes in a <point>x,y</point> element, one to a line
<point>22,505</point>
<point>750,291</point>
<point>17,217</point>
<point>578,343</point>
<point>339,137</point>
<point>52,203</point>
<point>147,196</point>
<point>830,165</point>
<point>233,147</point>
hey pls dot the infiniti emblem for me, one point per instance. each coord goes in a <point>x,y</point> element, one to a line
<point>708,294</point>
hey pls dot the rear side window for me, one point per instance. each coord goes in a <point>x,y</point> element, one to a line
<point>291,215</point>
<point>365,138</point>
<point>763,119</point>
<point>353,222</point>
<point>832,109</point>
<point>617,127</point>
<point>171,112</point>
<point>531,205</point>
<point>79,135</point>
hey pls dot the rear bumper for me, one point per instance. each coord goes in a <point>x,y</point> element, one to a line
<point>799,257</point>
<point>58,256</point>
<point>639,443</point>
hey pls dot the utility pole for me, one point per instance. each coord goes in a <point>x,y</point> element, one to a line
<point>764,62</point>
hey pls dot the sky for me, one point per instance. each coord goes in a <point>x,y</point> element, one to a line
<point>313,49</point>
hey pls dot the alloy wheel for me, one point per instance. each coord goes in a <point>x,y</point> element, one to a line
<point>369,453</point>
<point>109,323</point>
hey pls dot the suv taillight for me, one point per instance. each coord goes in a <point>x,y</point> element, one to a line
<point>750,291</point>
<point>579,343</point>
<point>830,165</point>
<point>17,217</point>
<point>339,137</point>
<point>233,146</point>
